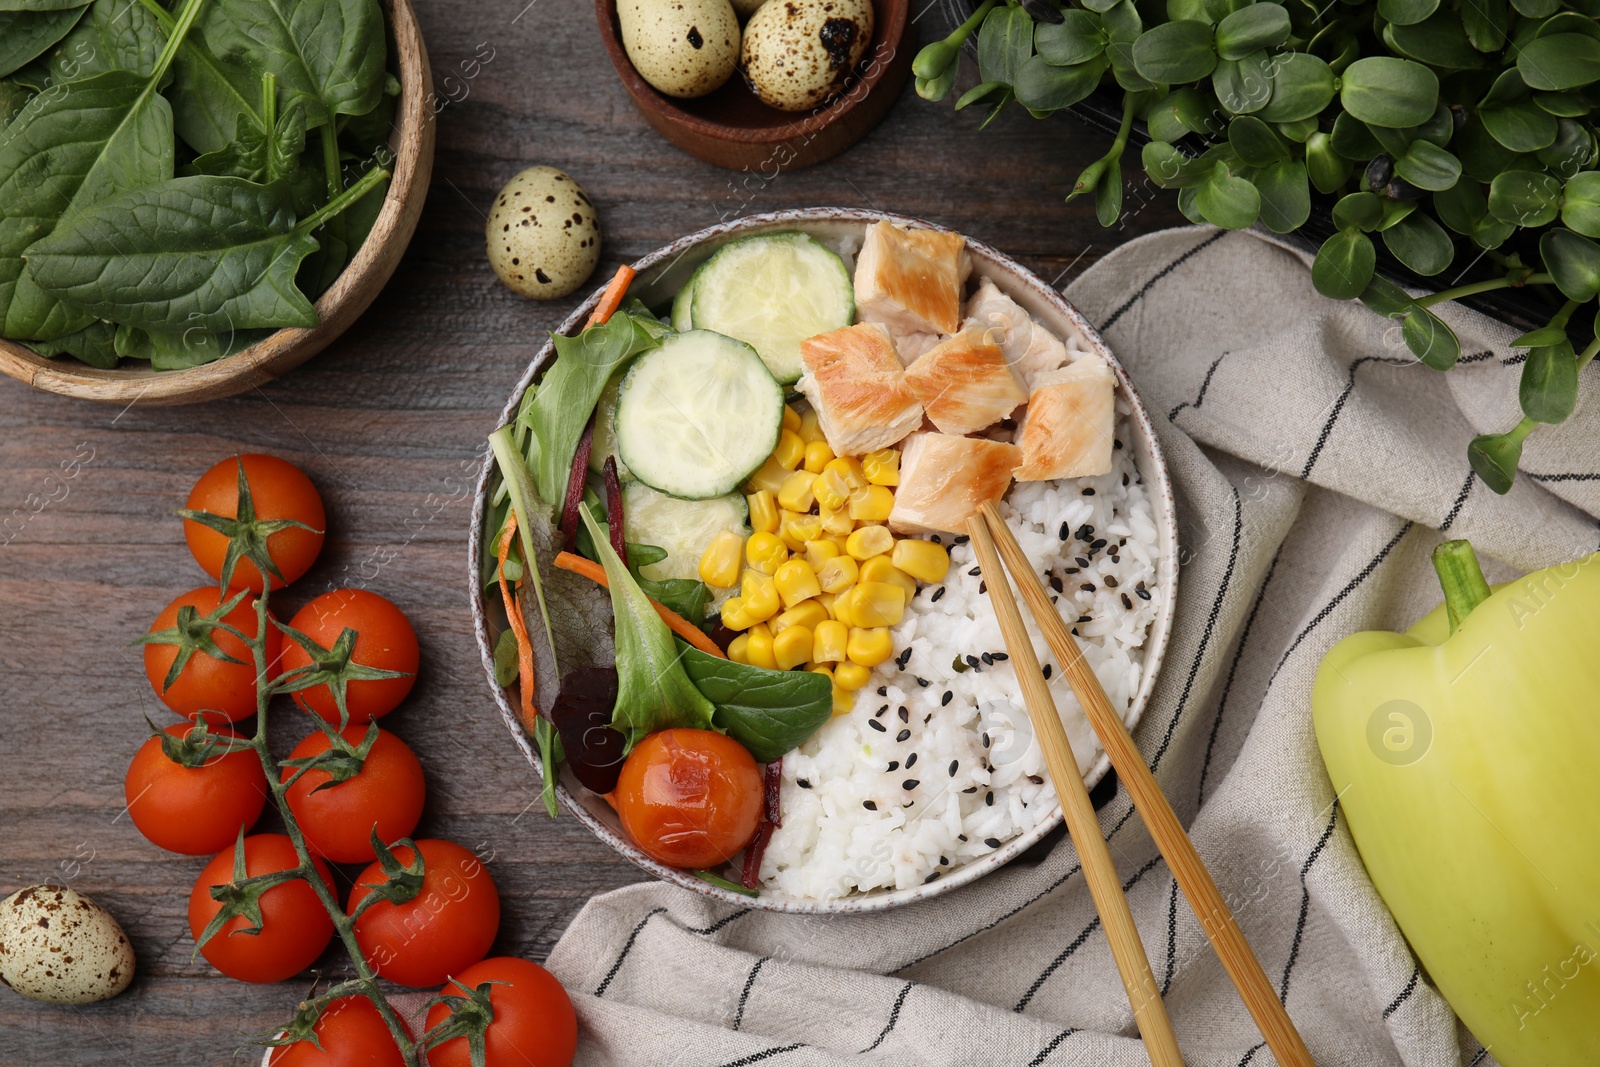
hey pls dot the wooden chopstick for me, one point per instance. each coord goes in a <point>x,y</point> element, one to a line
<point>1216,918</point>
<point>1099,870</point>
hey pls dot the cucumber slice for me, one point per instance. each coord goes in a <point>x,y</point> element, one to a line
<point>682,528</point>
<point>605,431</point>
<point>698,415</point>
<point>772,292</point>
<point>683,306</point>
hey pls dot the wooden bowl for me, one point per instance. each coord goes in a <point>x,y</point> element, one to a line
<point>412,142</point>
<point>732,128</point>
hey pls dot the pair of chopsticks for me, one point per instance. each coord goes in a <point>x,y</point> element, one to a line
<point>992,540</point>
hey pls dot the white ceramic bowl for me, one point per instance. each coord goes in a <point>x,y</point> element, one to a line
<point>661,273</point>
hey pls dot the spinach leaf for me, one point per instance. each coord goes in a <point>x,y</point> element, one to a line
<point>27,35</point>
<point>115,35</point>
<point>14,96</point>
<point>558,407</point>
<point>95,344</point>
<point>210,96</point>
<point>41,5</point>
<point>653,692</point>
<point>254,155</point>
<point>329,54</point>
<point>182,349</point>
<point>768,712</point>
<point>686,596</point>
<point>202,252</point>
<point>71,147</point>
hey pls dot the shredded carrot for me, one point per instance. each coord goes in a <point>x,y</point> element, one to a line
<point>611,299</point>
<point>525,674</point>
<point>567,561</point>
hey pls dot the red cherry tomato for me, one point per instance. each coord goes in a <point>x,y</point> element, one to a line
<point>385,640</point>
<point>207,683</point>
<point>295,926</point>
<point>387,793</point>
<point>446,928</point>
<point>689,798</point>
<point>194,810</point>
<point>352,1034</point>
<point>534,1024</point>
<point>278,490</point>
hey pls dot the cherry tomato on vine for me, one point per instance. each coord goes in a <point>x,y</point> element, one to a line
<point>689,798</point>
<point>295,925</point>
<point>446,928</point>
<point>196,806</point>
<point>351,1033</point>
<point>384,640</point>
<point>276,521</point>
<point>534,1024</point>
<point>387,792</point>
<point>185,631</point>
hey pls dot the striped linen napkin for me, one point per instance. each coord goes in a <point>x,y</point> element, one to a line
<point>1316,466</point>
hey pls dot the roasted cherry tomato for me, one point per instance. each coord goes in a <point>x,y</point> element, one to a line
<point>534,1024</point>
<point>351,1033</point>
<point>295,925</point>
<point>279,494</point>
<point>197,810</point>
<point>338,820</point>
<point>206,682</point>
<point>385,640</point>
<point>446,928</point>
<point>689,798</point>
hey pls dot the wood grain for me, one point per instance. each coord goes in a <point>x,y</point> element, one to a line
<point>390,422</point>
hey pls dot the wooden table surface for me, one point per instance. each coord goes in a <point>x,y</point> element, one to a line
<point>390,423</point>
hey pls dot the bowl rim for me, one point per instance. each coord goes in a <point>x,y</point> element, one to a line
<point>1147,451</point>
<point>357,286</point>
<point>886,41</point>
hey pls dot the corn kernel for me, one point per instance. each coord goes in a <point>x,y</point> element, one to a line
<point>836,521</point>
<point>792,647</point>
<point>825,601</point>
<point>791,419</point>
<point>799,529</point>
<point>763,511</point>
<point>760,596</point>
<point>923,560</point>
<point>805,613</point>
<point>839,539</point>
<point>819,551</point>
<point>871,503</point>
<point>770,477</point>
<point>850,468</point>
<point>765,552</point>
<point>882,467</point>
<point>760,628</point>
<point>720,563</point>
<point>822,669</point>
<point>828,640</point>
<point>840,608</point>
<point>868,646</point>
<point>880,569</point>
<point>734,617</point>
<point>738,649</point>
<point>851,676</point>
<point>810,427</point>
<point>790,451</point>
<point>838,574</point>
<point>796,581</point>
<point>818,454</point>
<point>875,604</point>
<point>795,493</point>
<point>869,541</point>
<point>758,651</point>
<point>830,491</point>
<point>844,701</point>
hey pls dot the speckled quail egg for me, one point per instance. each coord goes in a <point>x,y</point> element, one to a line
<point>798,53</point>
<point>544,238</point>
<point>745,8</point>
<point>59,946</point>
<point>685,48</point>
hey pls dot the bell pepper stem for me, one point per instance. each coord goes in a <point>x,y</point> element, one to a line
<point>1464,586</point>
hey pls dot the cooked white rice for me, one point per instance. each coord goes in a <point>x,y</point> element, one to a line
<point>919,779</point>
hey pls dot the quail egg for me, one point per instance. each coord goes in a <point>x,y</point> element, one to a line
<point>745,8</point>
<point>544,238</point>
<point>685,48</point>
<point>59,946</point>
<point>798,53</point>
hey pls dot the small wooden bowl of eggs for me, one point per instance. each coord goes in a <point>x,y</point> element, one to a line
<point>760,86</point>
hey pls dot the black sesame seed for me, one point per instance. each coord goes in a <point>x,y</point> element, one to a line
<point>803,783</point>
<point>1035,779</point>
<point>870,805</point>
<point>903,659</point>
<point>983,587</point>
<point>1124,479</point>
<point>970,789</point>
<point>1085,532</point>
<point>878,726</point>
<point>974,572</point>
<point>1088,492</point>
<point>880,711</point>
<point>911,761</point>
<point>992,842</point>
<point>883,690</point>
<point>909,784</point>
<point>944,862</point>
<point>1000,657</point>
<point>1069,570</point>
<point>1142,593</point>
<point>945,700</point>
<point>894,765</point>
<point>986,739</point>
<point>954,764</point>
<point>988,798</point>
<point>1081,561</point>
<point>961,837</point>
<point>930,877</point>
<point>1085,618</point>
<point>972,661</point>
<point>935,539</point>
<point>961,539</point>
<point>926,719</point>
<point>1087,587</point>
<point>1046,672</point>
<point>1126,602</point>
<point>1055,583</point>
<point>1114,558</point>
<point>1097,544</point>
<point>1065,532</point>
<point>905,714</point>
<point>1111,581</point>
<point>988,658</point>
<point>903,735</point>
<point>1116,444</point>
<point>922,682</point>
<point>937,593</point>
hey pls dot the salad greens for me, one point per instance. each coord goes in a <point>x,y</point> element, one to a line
<point>768,712</point>
<point>158,202</point>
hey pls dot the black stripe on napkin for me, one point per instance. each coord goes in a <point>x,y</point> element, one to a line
<point>1044,1053</point>
<point>744,997</point>
<point>1305,902</point>
<point>894,1017</point>
<point>627,947</point>
<point>1404,994</point>
<point>1476,357</point>
<point>1204,385</point>
<point>1172,939</point>
<point>1578,477</point>
<point>1250,1054</point>
<point>1461,500</point>
<point>720,923</point>
<point>1338,407</point>
<point>1111,320</point>
<point>1233,668</point>
<point>764,1054</point>
<point>1482,1052</point>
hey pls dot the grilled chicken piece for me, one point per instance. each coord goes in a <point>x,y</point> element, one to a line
<point>1067,432</point>
<point>1031,349</point>
<point>911,279</point>
<point>856,383</point>
<point>965,383</point>
<point>944,478</point>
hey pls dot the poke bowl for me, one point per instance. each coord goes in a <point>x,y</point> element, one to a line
<point>906,375</point>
